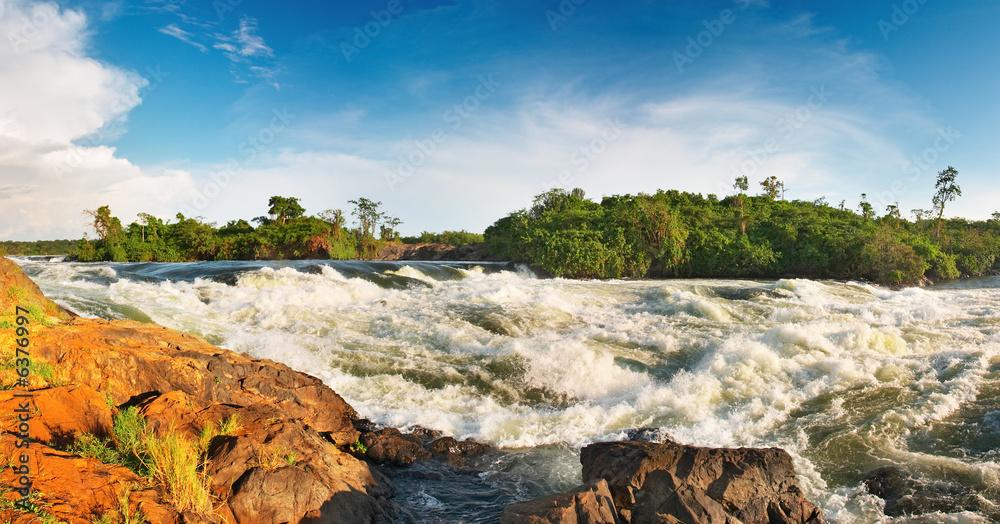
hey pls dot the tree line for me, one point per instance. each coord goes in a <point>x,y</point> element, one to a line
<point>286,232</point>
<point>676,234</point>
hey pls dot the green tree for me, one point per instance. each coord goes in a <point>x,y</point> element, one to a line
<point>368,215</point>
<point>947,191</point>
<point>773,187</point>
<point>284,208</point>
<point>867,210</point>
<point>741,185</point>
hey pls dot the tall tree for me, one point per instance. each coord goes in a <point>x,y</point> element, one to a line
<point>741,185</point>
<point>867,210</point>
<point>368,215</point>
<point>772,187</point>
<point>947,191</point>
<point>285,208</point>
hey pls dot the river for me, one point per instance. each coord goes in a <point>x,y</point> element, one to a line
<point>845,376</point>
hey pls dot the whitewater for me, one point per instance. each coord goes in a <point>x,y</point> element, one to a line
<point>847,377</point>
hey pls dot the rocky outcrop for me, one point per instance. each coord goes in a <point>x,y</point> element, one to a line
<point>470,252</point>
<point>667,482</point>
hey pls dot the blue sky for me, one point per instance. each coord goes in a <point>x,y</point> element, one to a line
<point>453,113</point>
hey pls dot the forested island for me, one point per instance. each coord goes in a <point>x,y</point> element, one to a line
<point>662,235</point>
<point>675,234</point>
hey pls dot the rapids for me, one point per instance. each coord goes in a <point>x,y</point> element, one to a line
<point>845,376</point>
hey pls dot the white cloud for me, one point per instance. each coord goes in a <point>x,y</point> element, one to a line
<point>182,35</point>
<point>243,43</point>
<point>54,94</point>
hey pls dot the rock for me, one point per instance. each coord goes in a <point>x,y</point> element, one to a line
<point>130,360</point>
<point>59,415</point>
<point>19,290</point>
<point>647,435</point>
<point>391,447</point>
<point>657,482</point>
<point>588,504</point>
<point>77,490</point>
<point>907,494</point>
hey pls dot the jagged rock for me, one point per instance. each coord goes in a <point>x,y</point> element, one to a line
<point>131,361</point>
<point>391,447</point>
<point>657,482</point>
<point>588,504</point>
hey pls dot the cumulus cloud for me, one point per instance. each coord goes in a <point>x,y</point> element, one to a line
<point>57,105</point>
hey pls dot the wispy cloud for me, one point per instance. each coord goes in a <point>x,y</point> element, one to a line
<point>244,43</point>
<point>182,35</point>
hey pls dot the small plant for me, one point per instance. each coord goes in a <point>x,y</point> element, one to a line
<point>173,461</point>
<point>358,447</point>
<point>125,511</point>
<point>230,425</point>
<point>292,458</point>
<point>87,445</point>
<point>130,434</point>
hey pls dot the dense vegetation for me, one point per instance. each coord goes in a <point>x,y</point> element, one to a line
<point>675,234</point>
<point>285,233</point>
<point>38,247</point>
<point>458,238</point>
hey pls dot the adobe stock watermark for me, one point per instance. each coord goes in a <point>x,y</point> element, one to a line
<point>919,165</point>
<point>901,14</point>
<point>225,6</point>
<point>786,127</point>
<point>705,39</point>
<point>83,147</point>
<point>41,16</point>
<point>566,9</point>
<point>584,156</point>
<point>249,149</point>
<point>425,148</point>
<point>363,35</point>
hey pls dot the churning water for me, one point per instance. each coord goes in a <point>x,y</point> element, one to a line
<point>847,377</point>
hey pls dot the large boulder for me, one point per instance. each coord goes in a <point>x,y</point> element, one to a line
<point>671,482</point>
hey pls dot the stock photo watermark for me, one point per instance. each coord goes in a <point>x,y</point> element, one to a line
<point>566,9</point>
<point>41,16</point>
<point>786,127</point>
<point>363,34</point>
<point>225,6</point>
<point>901,14</point>
<point>425,148</point>
<point>249,149</point>
<point>705,39</point>
<point>919,165</point>
<point>584,156</point>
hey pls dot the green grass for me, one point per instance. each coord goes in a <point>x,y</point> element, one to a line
<point>87,445</point>
<point>173,461</point>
